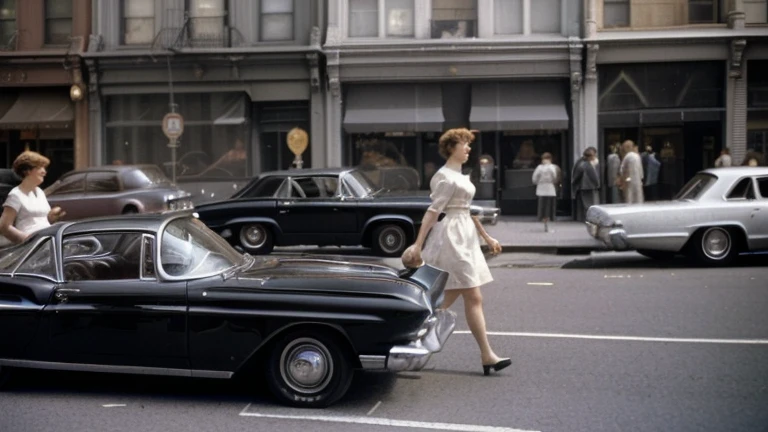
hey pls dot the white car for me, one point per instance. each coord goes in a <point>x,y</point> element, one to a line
<point>719,213</point>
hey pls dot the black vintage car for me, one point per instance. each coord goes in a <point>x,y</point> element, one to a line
<point>332,206</point>
<point>162,294</point>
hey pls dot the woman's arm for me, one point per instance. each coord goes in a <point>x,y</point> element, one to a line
<point>6,226</point>
<point>490,241</point>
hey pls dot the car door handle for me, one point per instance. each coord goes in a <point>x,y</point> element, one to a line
<point>283,211</point>
<point>62,294</point>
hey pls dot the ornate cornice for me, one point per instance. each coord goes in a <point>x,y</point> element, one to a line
<point>737,55</point>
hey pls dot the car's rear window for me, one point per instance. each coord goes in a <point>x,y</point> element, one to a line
<point>145,177</point>
<point>696,187</point>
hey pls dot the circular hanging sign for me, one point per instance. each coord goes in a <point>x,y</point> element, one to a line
<point>297,140</point>
<point>173,125</point>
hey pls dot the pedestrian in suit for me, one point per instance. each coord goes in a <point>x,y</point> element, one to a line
<point>585,183</point>
<point>631,174</point>
<point>546,177</point>
<point>612,173</point>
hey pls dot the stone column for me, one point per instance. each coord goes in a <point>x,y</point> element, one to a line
<point>590,96</point>
<point>333,117</point>
<point>736,107</point>
<point>316,106</point>
<point>577,100</point>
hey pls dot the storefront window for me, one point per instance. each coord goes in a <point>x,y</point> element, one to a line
<point>757,108</point>
<point>275,122</point>
<point>214,143</point>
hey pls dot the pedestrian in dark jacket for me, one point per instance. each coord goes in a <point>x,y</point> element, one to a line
<point>585,182</point>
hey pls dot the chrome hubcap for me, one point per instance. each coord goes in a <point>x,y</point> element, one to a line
<point>306,365</point>
<point>716,243</point>
<point>391,240</point>
<point>253,236</point>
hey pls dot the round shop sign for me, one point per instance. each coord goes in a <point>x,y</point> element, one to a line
<point>173,125</point>
<point>297,140</point>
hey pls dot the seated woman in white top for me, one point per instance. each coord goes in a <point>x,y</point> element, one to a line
<point>26,209</point>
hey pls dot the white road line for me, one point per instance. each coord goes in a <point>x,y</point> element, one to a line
<point>374,408</point>
<point>626,338</point>
<point>378,421</point>
<point>541,283</point>
<point>113,405</point>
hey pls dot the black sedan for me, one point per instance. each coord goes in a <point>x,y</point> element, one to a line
<point>162,294</point>
<point>332,206</point>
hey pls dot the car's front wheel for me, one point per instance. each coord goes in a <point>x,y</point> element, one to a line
<point>256,239</point>
<point>714,246</point>
<point>308,369</point>
<point>389,240</point>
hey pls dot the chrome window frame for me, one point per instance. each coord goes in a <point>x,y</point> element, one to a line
<point>34,249</point>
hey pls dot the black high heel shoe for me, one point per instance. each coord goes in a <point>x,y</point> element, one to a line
<point>501,364</point>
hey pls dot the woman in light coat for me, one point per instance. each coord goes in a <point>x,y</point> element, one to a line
<point>546,177</point>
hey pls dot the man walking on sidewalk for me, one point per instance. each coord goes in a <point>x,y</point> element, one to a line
<point>585,183</point>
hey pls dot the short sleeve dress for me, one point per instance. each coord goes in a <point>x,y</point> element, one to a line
<point>453,243</point>
<point>31,211</point>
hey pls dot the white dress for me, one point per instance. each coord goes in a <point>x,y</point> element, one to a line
<point>453,244</point>
<point>31,211</point>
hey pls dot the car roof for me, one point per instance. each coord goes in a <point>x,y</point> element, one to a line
<point>150,222</point>
<point>305,172</point>
<point>736,172</point>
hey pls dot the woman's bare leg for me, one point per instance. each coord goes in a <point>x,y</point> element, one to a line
<point>473,309</point>
<point>449,297</point>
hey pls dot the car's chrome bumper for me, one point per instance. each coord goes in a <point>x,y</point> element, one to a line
<point>415,355</point>
<point>486,215</point>
<point>613,237</point>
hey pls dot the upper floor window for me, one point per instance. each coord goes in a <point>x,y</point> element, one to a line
<point>453,19</point>
<point>58,21</point>
<point>7,23</point>
<point>527,16</point>
<point>138,22</point>
<point>381,18</point>
<point>660,13</point>
<point>276,20</point>
<point>756,11</point>
<point>207,20</point>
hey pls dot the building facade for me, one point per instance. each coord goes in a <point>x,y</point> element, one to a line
<point>42,82</point>
<point>242,73</point>
<point>675,76</point>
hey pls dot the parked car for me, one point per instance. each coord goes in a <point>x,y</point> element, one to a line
<point>333,206</point>
<point>161,294</point>
<point>719,213</point>
<point>8,181</point>
<point>116,189</point>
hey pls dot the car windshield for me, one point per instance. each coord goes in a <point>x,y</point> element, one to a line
<point>359,184</point>
<point>190,250</point>
<point>696,187</point>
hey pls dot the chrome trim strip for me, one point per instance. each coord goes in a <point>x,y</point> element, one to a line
<point>136,370</point>
<point>373,361</point>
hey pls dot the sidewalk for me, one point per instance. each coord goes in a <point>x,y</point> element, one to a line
<point>525,234</point>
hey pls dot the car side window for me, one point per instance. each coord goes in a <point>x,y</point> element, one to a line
<point>148,257</point>
<point>102,256</point>
<point>743,190</point>
<point>328,186</point>
<point>71,184</point>
<point>40,262</point>
<point>102,182</point>
<point>265,188</point>
<point>762,185</point>
<point>308,186</point>
<point>12,256</point>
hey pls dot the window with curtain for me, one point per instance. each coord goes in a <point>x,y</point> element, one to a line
<point>756,11</point>
<point>546,16</point>
<point>702,11</point>
<point>7,23</point>
<point>365,18</point>
<point>58,21</point>
<point>277,20</point>
<point>508,17</point>
<point>615,13</point>
<point>207,19</point>
<point>454,19</point>
<point>138,22</point>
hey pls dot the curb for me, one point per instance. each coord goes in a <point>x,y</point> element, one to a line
<point>552,250</point>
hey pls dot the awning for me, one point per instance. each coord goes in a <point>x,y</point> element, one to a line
<point>7,101</point>
<point>518,106</point>
<point>43,110</point>
<point>394,108</point>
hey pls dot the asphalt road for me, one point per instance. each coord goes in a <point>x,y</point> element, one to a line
<point>607,342</point>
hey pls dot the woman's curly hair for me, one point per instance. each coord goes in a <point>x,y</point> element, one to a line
<point>29,160</point>
<point>451,137</point>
